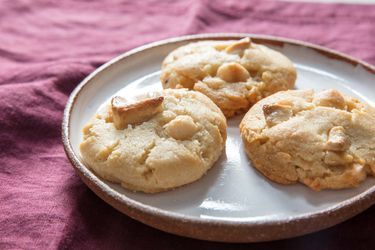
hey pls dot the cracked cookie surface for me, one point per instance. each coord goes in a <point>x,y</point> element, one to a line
<point>174,147</point>
<point>324,140</point>
<point>233,74</point>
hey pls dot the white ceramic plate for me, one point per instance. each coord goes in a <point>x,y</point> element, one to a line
<point>233,202</point>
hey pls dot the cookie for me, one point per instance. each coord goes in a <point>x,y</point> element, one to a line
<point>233,74</point>
<point>324,140</point>
<point>155,142</point>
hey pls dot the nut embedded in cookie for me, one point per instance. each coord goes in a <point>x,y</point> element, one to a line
<point>182,127</point>
<point>233,72</point>
<point>276,113</point>
<point>238,47</point>
<point>125,112</point>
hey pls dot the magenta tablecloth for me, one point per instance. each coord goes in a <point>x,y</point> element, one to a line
<point>47,48</point>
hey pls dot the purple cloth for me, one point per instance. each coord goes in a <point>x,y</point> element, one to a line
<point>48,47</point>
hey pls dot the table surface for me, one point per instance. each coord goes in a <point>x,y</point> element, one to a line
<point>47,48</point>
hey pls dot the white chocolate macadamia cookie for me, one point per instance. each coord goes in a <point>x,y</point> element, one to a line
<point>155,142</point>
<point>324,140</point>
<point>233,74</point>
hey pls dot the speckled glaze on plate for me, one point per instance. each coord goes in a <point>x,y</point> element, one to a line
<point>233,202</point>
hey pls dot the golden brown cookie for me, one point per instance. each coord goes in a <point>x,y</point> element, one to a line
<point>157,142</point>
<point>325,140</point>
<point>233,74</point>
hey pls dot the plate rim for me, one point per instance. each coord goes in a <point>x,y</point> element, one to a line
<point>209,228</point>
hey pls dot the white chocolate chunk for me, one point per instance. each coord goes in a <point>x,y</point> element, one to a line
<point>337,139</point>
<point>333,158</point>
<point>330,98</point>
